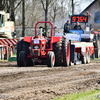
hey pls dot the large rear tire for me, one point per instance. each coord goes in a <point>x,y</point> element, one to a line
<point>57,48</point>
<point>66,52</point>
<point>25,47</point>
<point>50,59</point>
<point>22,46</point>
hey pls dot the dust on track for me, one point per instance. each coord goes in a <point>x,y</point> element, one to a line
<point>43,83</point>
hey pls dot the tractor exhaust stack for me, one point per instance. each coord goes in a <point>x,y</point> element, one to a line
<point>41,33</point>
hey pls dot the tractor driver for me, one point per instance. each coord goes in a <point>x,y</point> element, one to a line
<point>43,31</point>
<point>67,27</point>
<point>77,26</point>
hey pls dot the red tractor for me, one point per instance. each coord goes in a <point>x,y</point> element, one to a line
<point>55,51</point>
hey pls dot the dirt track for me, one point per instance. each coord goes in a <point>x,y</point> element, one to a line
<point>43,83</point>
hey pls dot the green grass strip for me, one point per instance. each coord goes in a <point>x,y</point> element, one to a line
<point>87,95</point>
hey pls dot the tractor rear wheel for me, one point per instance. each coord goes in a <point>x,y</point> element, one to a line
<point>22,46</point>
<point>21,58</point>
<point>66,52</point>
<point>57,48</point>
<point>50,59</point>
<point>25,47</point>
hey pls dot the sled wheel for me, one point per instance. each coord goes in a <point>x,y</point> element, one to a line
<point>88,57</point>
<point>84,59</point>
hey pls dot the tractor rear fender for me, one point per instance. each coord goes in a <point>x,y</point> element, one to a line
<point>55,39</point>
<point>27,39</point>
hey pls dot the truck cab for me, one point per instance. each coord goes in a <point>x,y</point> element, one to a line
<point>6,26</point>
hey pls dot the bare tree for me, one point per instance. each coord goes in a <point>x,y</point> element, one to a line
<point>46,4</point>
<point>9,5</point>
<point>33,12</point>
<point>54,8</point>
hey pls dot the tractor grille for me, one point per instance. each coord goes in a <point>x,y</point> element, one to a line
<point>36,46</point>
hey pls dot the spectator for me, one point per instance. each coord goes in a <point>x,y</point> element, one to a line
<point>77,26</point>
<point>43,31</point>
<point>67,27</point>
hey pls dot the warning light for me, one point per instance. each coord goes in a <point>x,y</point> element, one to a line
<point>92,29</point>
<point>98,30</point>
<point>69,14</point>
<point>87,12</point>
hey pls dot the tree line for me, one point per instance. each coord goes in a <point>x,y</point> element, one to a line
<point>40,10</point>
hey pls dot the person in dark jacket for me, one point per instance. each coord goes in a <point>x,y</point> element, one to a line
<point>67,27</point>
<point>43,31</point>
<point>77,26</point>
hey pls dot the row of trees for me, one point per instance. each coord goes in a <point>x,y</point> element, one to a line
<point>37,10</point>
<point>52,10</point>
<point>10,6</point>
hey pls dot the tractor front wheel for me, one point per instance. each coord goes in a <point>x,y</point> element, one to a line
<point>50,59</point>
<point>21,59</point>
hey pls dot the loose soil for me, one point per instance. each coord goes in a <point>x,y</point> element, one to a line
<point>43,83</point>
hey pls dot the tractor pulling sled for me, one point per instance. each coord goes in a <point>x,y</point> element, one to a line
<point>53,49</point>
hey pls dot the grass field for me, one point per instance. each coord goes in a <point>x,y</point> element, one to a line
<point>96,60</point>
<point>87,95</point>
